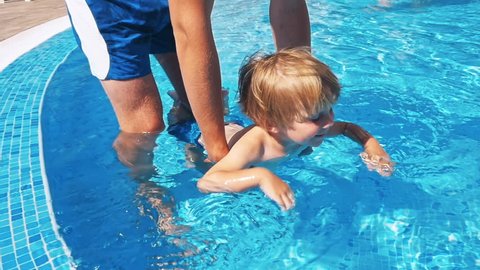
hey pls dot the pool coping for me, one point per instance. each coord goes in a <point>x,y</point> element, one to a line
<point>25,41</point>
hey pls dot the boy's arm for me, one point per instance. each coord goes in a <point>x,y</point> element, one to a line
<point>352,131</point>
<point>374,155</point>
<point>357,134</point>
<point>233,174</point>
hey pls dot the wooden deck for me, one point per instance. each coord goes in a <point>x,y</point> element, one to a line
<point>17,16</point>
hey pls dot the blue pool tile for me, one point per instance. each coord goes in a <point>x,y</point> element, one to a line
<point>4,211</point>
<point>43,214</point>
<point>3,175</point>
<point>32,225</point>
<point>56,252</point>
<point>46,266</point>
<point>5,235</point>
<point>36,172</point>
<point>34,238</point>
<point>54,245</point>
<point>16,211</point>
<point>44,222</point>
<point>14,197</point>
<point>23,203</point>
<point>8,257</point>
<point>17,225</point>
<point>21,242</point>
<point>27,199</point>
<point>28,205</point>
<point>60,261</point>
<point>14,169</point>
<point>25,171</point>
<point>27,265</point>
<point>6,249</point>
<point>23,257</point>
<point>37,183</point>
<point>19,236</point>
<point>17,217</point>
<point>9,264</point>
<point>64,266</point>
<point>41,260</point>
<point>34,230</point>
<point>4,222</point>
<point>49,239</point>
<point>47,234</point>
<point>22,250</point>
<point>30,219</point>
<point>37,249</point>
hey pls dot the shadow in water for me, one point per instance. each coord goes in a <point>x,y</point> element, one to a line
<point>106,219</point>
<point>335,212</point>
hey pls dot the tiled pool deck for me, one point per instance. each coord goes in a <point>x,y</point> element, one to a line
<point>18,15</point>
<point>29,237</point>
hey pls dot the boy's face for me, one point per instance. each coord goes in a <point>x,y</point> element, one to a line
<point>312,130</point>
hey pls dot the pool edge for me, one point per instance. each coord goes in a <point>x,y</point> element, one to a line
<point>25,41</point>
<point>12,49</point>
<point>46,186</point>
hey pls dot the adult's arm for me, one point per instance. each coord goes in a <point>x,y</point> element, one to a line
<point>290,23</point>
<point>200,69</point>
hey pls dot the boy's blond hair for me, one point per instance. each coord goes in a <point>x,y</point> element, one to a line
<point>287,86</point>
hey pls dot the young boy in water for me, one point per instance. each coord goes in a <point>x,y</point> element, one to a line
<point>289,95</point>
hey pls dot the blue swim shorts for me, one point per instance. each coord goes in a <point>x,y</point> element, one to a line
<point>118,36</point>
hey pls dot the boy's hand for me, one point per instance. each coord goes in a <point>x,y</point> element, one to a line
<point>379,163</point>
<point>278,191</point>
<point>376,158</point>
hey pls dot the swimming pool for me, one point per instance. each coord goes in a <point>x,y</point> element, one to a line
<point>408,77</point>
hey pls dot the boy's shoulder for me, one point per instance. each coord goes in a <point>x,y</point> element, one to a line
<point>261,143</point>
<point>248,135</point>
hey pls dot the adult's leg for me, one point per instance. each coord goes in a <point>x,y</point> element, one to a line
<point>181,111</point>
<point>138,108</point>
<point>290,23</point>
<point>169,63</point>
<point>136,103</point>
<point>135,151</point>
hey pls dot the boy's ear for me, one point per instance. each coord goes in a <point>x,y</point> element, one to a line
<point>273,129</point>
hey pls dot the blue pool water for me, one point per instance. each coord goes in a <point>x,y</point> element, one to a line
<point>410,74</point>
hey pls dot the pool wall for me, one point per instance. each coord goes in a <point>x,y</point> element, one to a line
<point>29,237</point>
